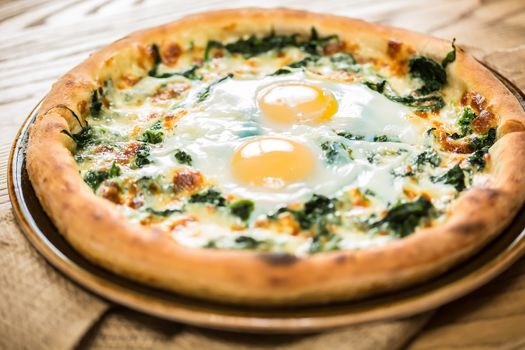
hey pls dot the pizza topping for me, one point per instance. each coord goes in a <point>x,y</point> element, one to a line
<point>287,143</point>
<point>403,218</point>
<point>455,177</point>
<point>95,177</point>
<point>187,180</point>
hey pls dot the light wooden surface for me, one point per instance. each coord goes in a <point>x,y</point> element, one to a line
<point>42,39</point>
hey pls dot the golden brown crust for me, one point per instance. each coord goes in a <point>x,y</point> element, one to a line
<point>94,227</point>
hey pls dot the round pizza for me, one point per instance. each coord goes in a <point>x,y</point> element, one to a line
<point>278,157</point>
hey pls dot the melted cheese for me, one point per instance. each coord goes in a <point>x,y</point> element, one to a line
<point>211,129</point>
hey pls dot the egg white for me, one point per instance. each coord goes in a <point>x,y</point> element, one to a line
<point>212,131</point>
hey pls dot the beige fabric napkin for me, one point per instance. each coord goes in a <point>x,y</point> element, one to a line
<point>40,309</point>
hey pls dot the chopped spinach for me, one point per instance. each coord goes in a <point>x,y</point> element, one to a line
<point>451,56</point>
<point>96,102</point>
<point>142,156</point>
<point>349,136</point>
<point>210,196</point>
<point>212,44</point>
<point>403,218</point>
<point>150,185</point>
<point>182,157</point>
<point>481,146</point>
<point>253,45</point>
<point>83,138</point>
<point>205,93</point>
<point>298,64</point>
<point>247,242</point>
<point>421,103</point>
<point>381,138</point>
<point>191,73</point>
<point>344,61</point>
<point>242,208</point>
<point>454,176</point>
<point>378,86</point>
<point>94,178</point>
<point>316,213</point>
<point>324,241</point>
<point>465,122</point>
<point>282,71</point>
<point>302,63</point>
<point>163,213</point>
<point>153,134</point>
<point>335,151</point>
<point>157,60</point>
<point>429,72</point>
<point>484,142</point>
<point>427,157</point>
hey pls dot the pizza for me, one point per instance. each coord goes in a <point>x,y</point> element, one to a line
<point>278,157</point>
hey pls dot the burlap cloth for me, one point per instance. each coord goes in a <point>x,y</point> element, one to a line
<point>40,309</point>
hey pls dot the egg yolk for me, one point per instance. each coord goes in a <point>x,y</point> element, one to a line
<point>272,162</point>
<point>296,102</point>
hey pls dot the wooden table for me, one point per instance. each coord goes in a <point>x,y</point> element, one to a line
<point>43,39</point>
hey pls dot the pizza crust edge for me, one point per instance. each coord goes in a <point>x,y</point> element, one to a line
<point>95,228</point>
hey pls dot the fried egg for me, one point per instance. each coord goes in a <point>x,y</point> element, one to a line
<point>261,139</point>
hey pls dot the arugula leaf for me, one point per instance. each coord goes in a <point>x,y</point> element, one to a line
<point>241,208</point>
<point>153,134</point>
<point>205,93</point>
<point>182,157</point>
<point>404,218</point>
<point>335,151</point>
<point>94,178</point>
<point>454,176</point>
<point>210,196</point>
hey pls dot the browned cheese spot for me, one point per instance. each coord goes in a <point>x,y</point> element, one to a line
<point>111,192</point>
<point>393,48</point>
<point>187,180</point>
<point>170,54</point>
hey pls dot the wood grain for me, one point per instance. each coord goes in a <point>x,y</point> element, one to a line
<point>43,39</point>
